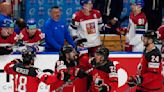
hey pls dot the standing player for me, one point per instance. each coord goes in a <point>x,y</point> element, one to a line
<point>149,77</point>
<point>87,23</point>
<point>69,65</point>
<point>137,26</point>
<point>27,77</point>
<point>104,72</point>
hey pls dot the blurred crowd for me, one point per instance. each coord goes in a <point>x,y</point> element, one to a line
<point>95,17</point>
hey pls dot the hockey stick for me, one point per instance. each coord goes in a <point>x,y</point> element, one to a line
<point>119,23</point>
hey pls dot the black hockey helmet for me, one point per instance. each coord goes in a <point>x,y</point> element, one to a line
<point>28,55</point>
<point>103,51</point>
<point>151,34</point>
<point>66,49</point>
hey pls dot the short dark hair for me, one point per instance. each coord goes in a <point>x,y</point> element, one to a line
<point>55,7</point>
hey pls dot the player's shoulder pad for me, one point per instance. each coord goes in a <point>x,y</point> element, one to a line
<point>21,69</point>
<point>76,15</point>
<point>152,55</point>
<point>155,51</point>
<point>95,11</point>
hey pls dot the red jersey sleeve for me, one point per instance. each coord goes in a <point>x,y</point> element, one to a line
<point>9,68</point>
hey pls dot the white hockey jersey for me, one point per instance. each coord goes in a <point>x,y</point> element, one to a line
<point>88,27</point>
<point>137,27</point>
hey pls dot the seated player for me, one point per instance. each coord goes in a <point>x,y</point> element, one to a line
<point>8,37</point>
<point>32,36</point>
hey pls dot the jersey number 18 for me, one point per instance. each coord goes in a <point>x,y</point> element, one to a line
<point>21,85</point>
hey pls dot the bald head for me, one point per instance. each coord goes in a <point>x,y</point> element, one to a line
<point>5,8</point>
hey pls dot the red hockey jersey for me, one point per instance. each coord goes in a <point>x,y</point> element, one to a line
<point>139,20</point>
<point>12,39</point>
<point>75,85</point>
<point>36,38</point>
<point>150,68</point>
<point>108,74</point>
<point>27,79</point>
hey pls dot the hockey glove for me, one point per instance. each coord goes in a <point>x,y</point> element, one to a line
<point>5,50</point>
<point>34,48</point>
<point>98,81</point>
<point>103,89</point>
<point>134,80</point>
<point>63,76</point>
<point>93,62</point>
<point>80,73</point>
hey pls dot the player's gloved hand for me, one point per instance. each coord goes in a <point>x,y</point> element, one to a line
<point>134,80</point>
<point>103,88</point>
<point>34,48</point>
<point>19,43</point>
<point>63,76</point>
<point>98,81</point>
<point>93,61</point>
<point>6,50</point>
<point>80,73</point>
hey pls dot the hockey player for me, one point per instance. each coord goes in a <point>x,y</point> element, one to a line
<point>87,23</point>
<point>160,33</point>
<point>104,72</point>
<point>149,77</point>
<point>69,65</point>
<point>31,35</point>
<point>27,77</point>
<point>137,26</point>
<point>7,37</point>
